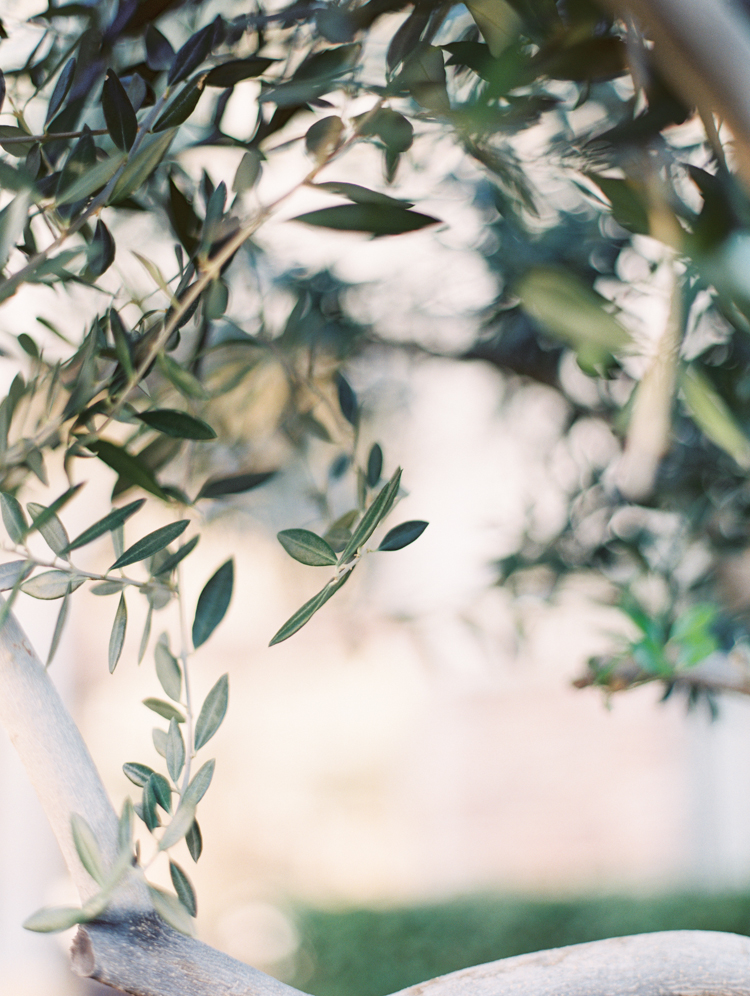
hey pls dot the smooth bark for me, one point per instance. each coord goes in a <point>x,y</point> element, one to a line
<point>672,963</point>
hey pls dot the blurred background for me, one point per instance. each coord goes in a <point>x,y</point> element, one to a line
<point>411,784</point>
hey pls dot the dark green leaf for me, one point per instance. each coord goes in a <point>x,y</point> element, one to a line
<point>21,149</point>
<point>118,112</point>
<point>183,888</point>
<point>60,91</point>
<point>392,128</point>
<point>101,251</point>
<point>215,300</point>
<point>50,527</point>
<point>182,106</point>
<point>308,610</point>
<point>138,774</point>
<point>194,841</point>
<point>173,559</point>
<point>374,465</point>
<point>87,848</point>
<point>401,536</point>
<point>151,543</point>
<point>127,466</point>
<point>164,709</point>
<point>13,517</point>
<point>324,137</point>
<point>374,514</point>
<point>229,73</point>
<point>105,525</point>
<point>192,53</point>
<point>159,52</point>
<point>248,171</point>
<point>91,181</point>
<point>307,547</point>
<point>175,751</point>
<point>13,572</point>
<point>372,218</point>
<point>141,166</point>
<point>51,584</point>
<point>212,712</point>
<point>168,670</point>
<point>235,484</point>
<point>117,636</point>
<point>328,63</point>
<point>183,380</point>
<point>177,424</point>
<point>213,603</point>
<point>361,195</point>
<point>347,400</point>
<point>150,816</point>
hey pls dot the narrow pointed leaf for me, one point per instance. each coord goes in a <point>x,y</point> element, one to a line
<point>184,889</point>
<point>159,739</point>
<point>307,547</point>
<point>54,919</point>
<point>171,561</point>
<point>361,195</point>
<point>308,610</point>
<point>138,774</point>
<point>401,536</point>
<point>125,826</point>
<point>175,751</point>
<point>143,646</point>
<point>105,525</point>
<point>190,56</point>
<point>13,572</point>
<point>92,181</point>
<point>60,91</point>
<point>117,636</point>
<point>101,251</point>
<point>182,106</point>
<point>49,526</point>
<point>164,709</point>
<point>168,670</point>
<point>376,219</point>
<point>219,487</point>
<point>374,514</point>
<point>51,584</point>
<point>177,424</point>
<point>127,466</point>
<point>62,617</point>
<point>151,543</point>
<point>213,603</point>
<point>178,826</point>
<point>141,165</point>
<point>118,112</point>
<point>212,712</point>
<point>374,465</point>
<point>14,519</point>
<point>230,73</point>
<point>194,841</point>
<point>159,52</point>
<point>87,848</point>
<point>200,783</point>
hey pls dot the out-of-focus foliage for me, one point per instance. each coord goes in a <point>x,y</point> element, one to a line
<point>628,196</point>
<point>384,951</point>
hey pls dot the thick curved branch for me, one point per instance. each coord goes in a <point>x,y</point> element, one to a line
<point>672,963</point>
<point>703,48</point>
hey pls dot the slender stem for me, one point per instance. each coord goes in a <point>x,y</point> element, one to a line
<point>50,136</point>
<point>68,567</point>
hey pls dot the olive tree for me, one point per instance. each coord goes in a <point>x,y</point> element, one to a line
<point>104,106</point>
